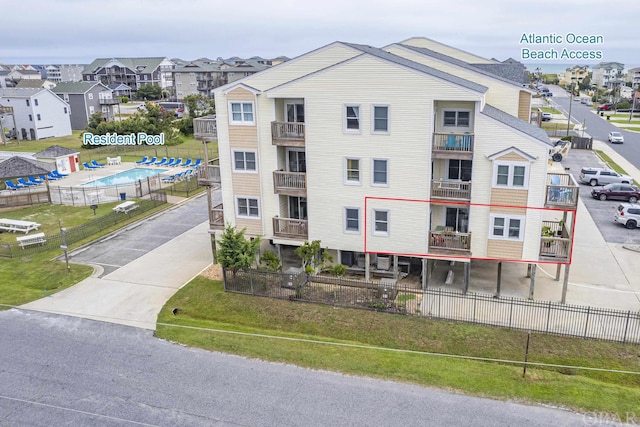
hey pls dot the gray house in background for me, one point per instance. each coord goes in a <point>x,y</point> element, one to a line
<point>85,99</point>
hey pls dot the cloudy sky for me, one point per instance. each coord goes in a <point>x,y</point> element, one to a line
<point>78,31</point>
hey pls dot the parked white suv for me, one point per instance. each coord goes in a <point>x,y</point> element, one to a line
<point>628,214</point>
<point>602,176</point>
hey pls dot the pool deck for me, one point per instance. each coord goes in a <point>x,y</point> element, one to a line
<point>76,179</point>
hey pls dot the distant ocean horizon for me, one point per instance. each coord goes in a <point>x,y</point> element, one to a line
<point>560,68</point>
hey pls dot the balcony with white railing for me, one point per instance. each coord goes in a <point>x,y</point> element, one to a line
<point>447,242</point>
<point>451,190</point>
<point>204,128</point>
<point>561,191</point>
<point>290,134</point>
<point>555,241</point>
<point>290,228</point>
<point>209,174</point>
<point>453,145</point>
<point>290,183</point>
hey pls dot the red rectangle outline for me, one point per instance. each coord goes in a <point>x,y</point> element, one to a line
<point>446,202</point>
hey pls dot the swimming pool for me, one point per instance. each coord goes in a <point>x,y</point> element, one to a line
<point>124,178</point>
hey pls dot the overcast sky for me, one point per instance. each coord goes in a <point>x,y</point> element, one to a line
<point>78,31</point>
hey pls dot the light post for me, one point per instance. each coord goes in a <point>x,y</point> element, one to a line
<point>64,247</point>
<point>633,102</point>
<point>570,105</point>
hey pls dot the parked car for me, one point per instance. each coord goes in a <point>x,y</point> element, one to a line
<point>588,104</point>
<point>628,214</point>
<point>546,117</point>
<point>616,137</point>
<point>602,176</point>
<point>605,107</point>
<point>142,107</point>
<point>627,192</point>
<point>546,94</point>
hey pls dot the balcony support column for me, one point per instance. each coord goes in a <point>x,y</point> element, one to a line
<point>367,267</point>
<point>425,273</point>
<point>533,280</point>
<point>565,284</point>
<point>558,268</point>
<point>395,267</point>
<point>499,284</point>
<point>467,274</point>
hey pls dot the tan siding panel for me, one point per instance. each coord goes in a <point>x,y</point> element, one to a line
<point>240,94</point>
<point>504,249</point>
<point>512,157</point>
<point>508,197</point>
<point>253,226</point>
<point>246,184</point>
<point>524,106</point>
<point>243,137</point>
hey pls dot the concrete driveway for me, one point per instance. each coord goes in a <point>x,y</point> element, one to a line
<point>138,269</point>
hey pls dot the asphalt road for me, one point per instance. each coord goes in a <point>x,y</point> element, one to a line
<point>57,370</point>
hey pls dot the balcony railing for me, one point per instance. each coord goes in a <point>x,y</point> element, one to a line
<point>209,174</point>
<point>290,183</point>
<point>453,142</point>
<point>204,128</point>
<point>290,228</point>
<point>449,241</point>
<point>457,190</point>
<point>109,101</point>
<point>288,134</point>
<point>555,241</point>
<point>216,220</point>
<point>562,191</point>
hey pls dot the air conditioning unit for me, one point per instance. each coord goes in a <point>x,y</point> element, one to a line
<point>384,263</point>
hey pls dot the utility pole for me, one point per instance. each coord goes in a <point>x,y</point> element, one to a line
<point>633,102</point>
<point>570,104</point>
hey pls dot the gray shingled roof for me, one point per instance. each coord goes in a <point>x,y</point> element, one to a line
<point>197,67</point>
<point>149,64</point>
<point>516,123</point>
<point>73,87</point>
<point>512,71</point>
<point>17,167</point>
<point>30,83</point>
<point>487,71</point>
<point>21,92</point>
<point>374,51</point>
<point>55,151</point>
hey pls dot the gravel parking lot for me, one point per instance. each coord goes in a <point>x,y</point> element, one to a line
<point>602,212</point>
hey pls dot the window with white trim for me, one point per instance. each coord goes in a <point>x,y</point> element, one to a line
<point>90,96</point>
<point>507,227</point>
<point>38,116</point>
<point>380,119</point>
<point>352,118</point>
<point>511,174</point>
<point>352,220</point>
<point>381,222</point>
<point>241,113</point>
<point>352,171</point>
<point>244,161</point>
<point>247,207</point>
<point>35,102</point>
<point>380,172</point>
<point>455,118</point>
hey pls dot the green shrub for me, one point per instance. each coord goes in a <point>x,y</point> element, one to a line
<point>271,261</point>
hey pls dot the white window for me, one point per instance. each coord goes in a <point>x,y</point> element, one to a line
<point>35,102</point>
<point>507,227</point>
<point>379,172</point>
<point>352,171</point>
<point>90,96</point>
<point>91,109</point>
<point>244,161</point>
<point>380,119</point>
<point>241,113</point>
<point>455,118</point>
<point>511,174</point>
<point>352,220</point>
<point>380,222</point>
<point>179,84</point>
<point>178,74</point>
<point>38,115</point>
<point>247,207</point>
<point>192,84</point>
<point>352,118</point>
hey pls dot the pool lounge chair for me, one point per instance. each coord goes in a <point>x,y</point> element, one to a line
<point>143,160</point>
<point>187,163</point>
<point>151,161</point>
<point>176,162</point>
<point>161,162</point>
<point>96,164</point>
<point>171,160</point>
<point>58,174</point>
<point>35,180</point>
<point>48,177</point>
<point>13,186</point>
<point>25,183</point>
<point>197,163</point>
<point>87,166</point>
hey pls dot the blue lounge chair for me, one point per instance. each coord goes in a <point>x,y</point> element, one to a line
<point>197,163</point>
<point>171,178</point>
<point>187,163</point>
<point>175,162</point>
<point>150,161</point>
<point>58,174</point>
<point>25,183</point>
<point>170,161</point>
<point>162,162</point>
<point>88,166</point>
<point>143,160</point>
<point>48,177</point>
<point>35,180</point>
<point>96,164</point>
<point>12,186</point>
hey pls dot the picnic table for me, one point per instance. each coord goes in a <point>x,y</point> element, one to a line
<point>125,207</point>
<point>14,225</point>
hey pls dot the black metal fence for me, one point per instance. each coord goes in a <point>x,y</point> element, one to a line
<point>76,234</point>
<point>387,296</point>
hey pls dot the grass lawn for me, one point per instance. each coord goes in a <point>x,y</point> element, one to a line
<point>204,304</point>
<point>613,165</point>
<point>550,110</point>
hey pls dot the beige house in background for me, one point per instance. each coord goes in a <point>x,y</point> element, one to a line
<point>574,75</point>
<point>392,157</point>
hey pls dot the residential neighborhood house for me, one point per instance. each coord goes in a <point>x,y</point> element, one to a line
<point>608,75</point>
<point>133,72</point>
<point>392,157</point>
<point>574,75</point>
<point>85,99</point>
<point>38,113</point>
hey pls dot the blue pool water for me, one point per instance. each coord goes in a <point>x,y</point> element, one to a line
<point>124,178</point>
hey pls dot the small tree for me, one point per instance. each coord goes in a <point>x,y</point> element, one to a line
<point>235,251</point>
<point>149,91</point>
<point>271,261</point>
<point>313,257</point>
